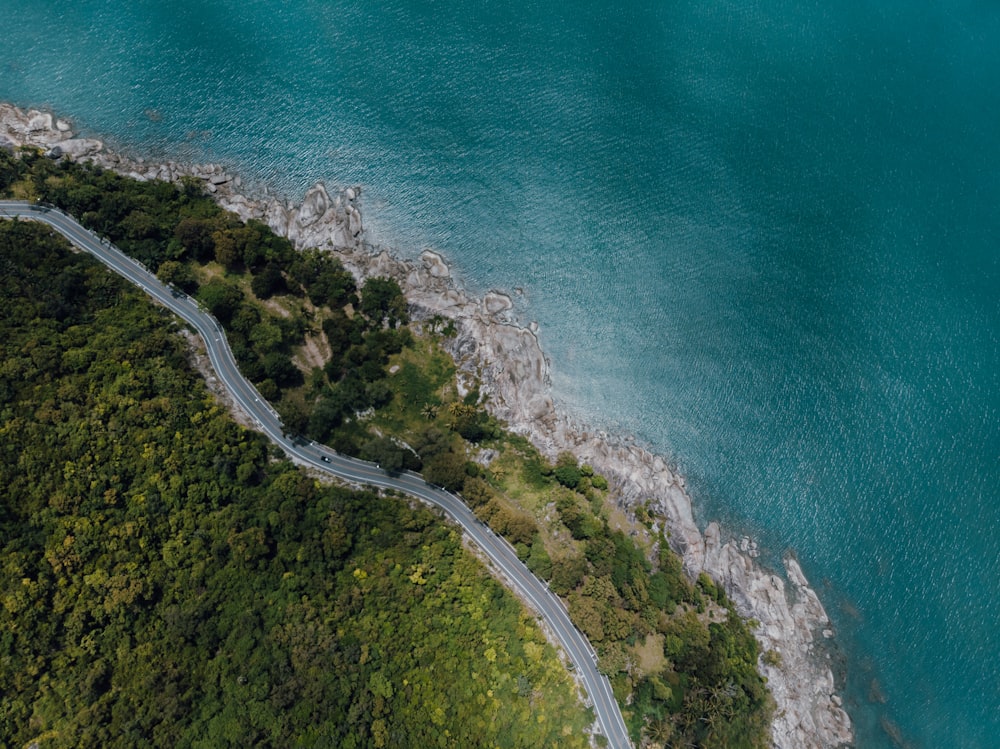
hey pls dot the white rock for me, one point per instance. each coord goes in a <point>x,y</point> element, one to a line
<point>435,264</point>
<point>39,121</point>
<point>80,147</point>
<point>314,206</point>
<point>495,303</point>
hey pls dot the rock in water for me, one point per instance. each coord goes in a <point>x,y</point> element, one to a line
<point>314,205</point>
<point>435,264</point>
<point>80,147</point>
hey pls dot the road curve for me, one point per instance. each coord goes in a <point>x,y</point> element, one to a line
<point>500,553</point>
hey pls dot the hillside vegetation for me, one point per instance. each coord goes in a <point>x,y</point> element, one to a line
<point>168,581</point>
<point>345,365</point>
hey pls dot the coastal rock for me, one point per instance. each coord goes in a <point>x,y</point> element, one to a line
<point>31,128</point>
<point>354,221</point>
<point>314,206</point>
<point>80,147</point>
<point>39,122</point>
<point>435,264</point>
<point>515,380</point>
<point>495,303</point>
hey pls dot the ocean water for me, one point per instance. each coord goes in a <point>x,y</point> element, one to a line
<point>762,237</point>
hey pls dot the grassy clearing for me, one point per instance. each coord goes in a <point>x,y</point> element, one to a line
<point>422,382</point>
<point>649,654</point>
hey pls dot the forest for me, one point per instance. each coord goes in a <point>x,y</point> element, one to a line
<point>168,580</point>
<point>682,663</point>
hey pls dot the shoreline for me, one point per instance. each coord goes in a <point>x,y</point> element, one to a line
<point>514,375</point>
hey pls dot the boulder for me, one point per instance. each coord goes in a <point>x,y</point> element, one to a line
<point>354,221</point>
<point>495,303</point>
<point>314,205</point>
<point>435,264</point>
<point>39,121</point>
<point>81,147</point>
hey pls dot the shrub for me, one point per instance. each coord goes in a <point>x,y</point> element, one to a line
<point>567,472</point>
<point>446,469</point>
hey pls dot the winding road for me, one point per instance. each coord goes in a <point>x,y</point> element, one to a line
<point>500,553</point>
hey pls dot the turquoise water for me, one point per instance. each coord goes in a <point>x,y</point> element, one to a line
<point>761,237</point>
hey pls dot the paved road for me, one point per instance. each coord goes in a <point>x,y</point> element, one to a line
<point>500,553</point>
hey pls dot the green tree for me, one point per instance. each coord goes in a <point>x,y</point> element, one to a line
<point>386,453</point>
<point>268,282</point>
<point>446,469</point>
<point>221,298</point>
<point>382,302</point>
<point>539,561</point>
<point>227,252</point>
<point>567,471</point>
<point>177,274</point>
<point>195,235</point>
<point>278,366</point>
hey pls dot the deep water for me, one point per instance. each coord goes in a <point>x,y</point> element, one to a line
<point>762,237</point>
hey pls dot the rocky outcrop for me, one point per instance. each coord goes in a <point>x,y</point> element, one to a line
<point>514,376</point>
<point>791,617</point>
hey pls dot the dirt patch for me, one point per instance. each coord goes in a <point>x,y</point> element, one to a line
<point>272,306</point>
<point>314,352</point>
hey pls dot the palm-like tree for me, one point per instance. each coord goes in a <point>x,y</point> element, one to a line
<point>659,731</point>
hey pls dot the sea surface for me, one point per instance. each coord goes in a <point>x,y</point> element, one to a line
<point>763,238</point>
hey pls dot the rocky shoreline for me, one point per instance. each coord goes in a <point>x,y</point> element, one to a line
<point>514,375</point>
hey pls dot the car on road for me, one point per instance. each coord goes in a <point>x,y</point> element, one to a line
<point>324,458</point>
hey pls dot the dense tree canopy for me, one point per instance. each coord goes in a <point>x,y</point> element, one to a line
<point>167,582</point>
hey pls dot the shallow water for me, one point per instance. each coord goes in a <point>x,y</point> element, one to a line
<point>762,238</point>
